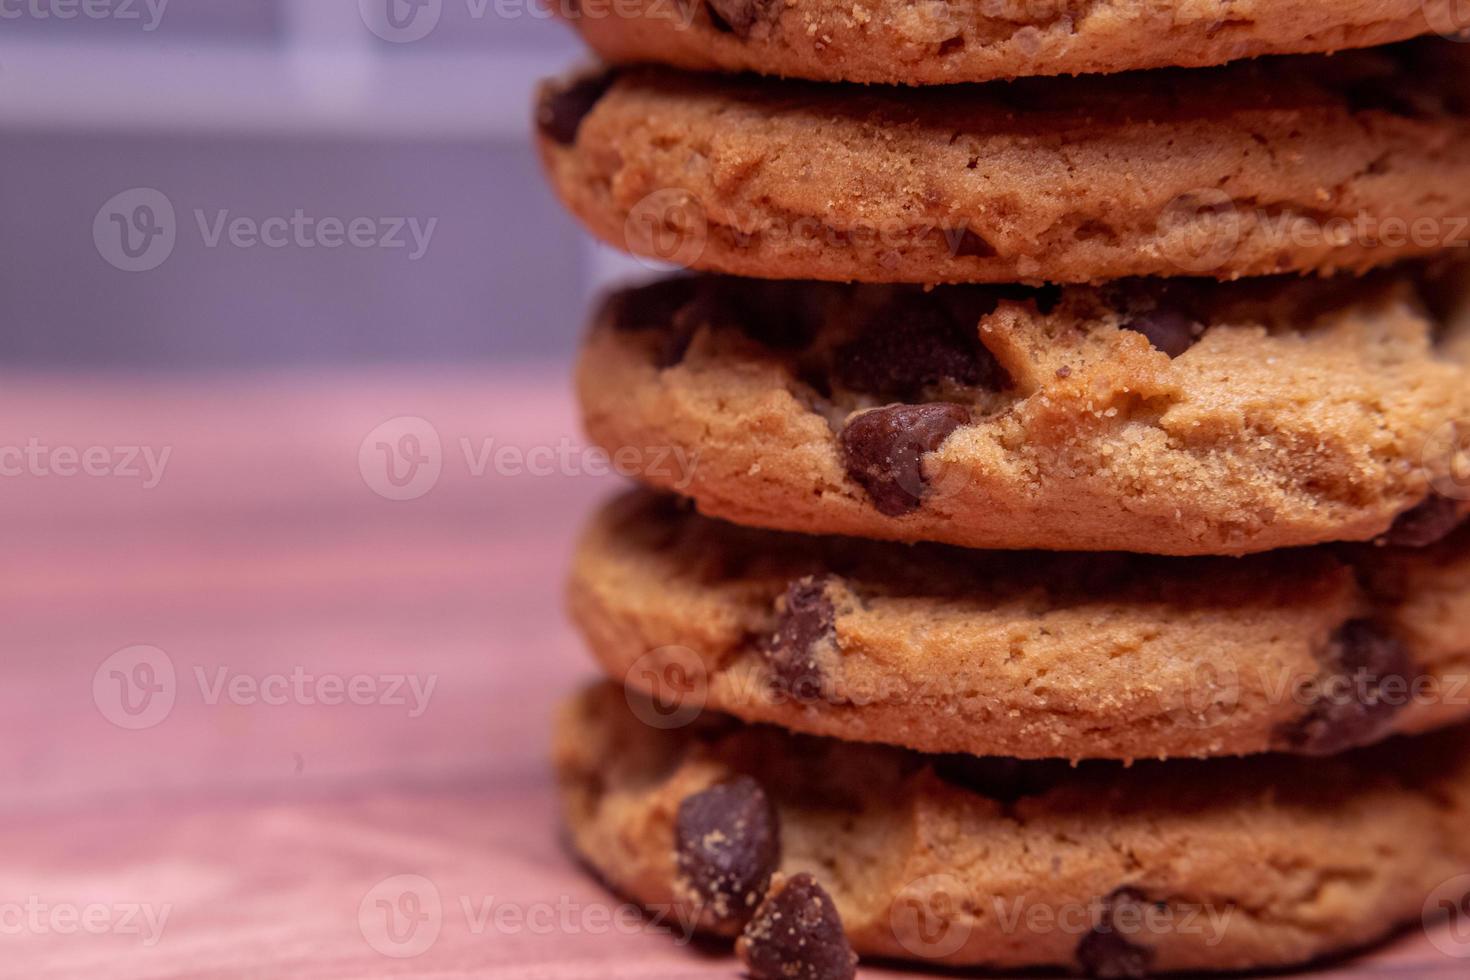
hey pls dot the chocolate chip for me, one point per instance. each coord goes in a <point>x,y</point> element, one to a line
<point>663,306</point>
<point>653,307</point>
<point>973,246</point>
<point>779,315</point>
<point>1001,779</point>
<point>807,619</point>
<point>728,845</point>
<point>1383,95</point>
<point>1427,524</point>
<point>884,450</point>
<point>564,106</point>
<point>1364,684</point>
<point>738,17</point>
<point>1047,299</point>
<point>1105,953</point>
<point>914,343</point>
<point>797,935</point>
<point>1168,330</point>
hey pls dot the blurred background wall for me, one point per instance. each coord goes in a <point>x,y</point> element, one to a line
<point>281,120</point>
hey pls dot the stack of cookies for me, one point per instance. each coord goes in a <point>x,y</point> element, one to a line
<point>1054,550</point>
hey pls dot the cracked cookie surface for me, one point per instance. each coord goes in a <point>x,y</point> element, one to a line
<point>1185,418</point>
<point>1280,165</point>
<point>1028,655</point>
<point>942,43</point>
<point>1178,867</point>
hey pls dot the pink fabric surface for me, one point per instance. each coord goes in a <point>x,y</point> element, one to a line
<point>304,839</point>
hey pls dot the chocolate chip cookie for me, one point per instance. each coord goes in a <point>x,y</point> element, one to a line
<point>941,43</point>
<point>1279,165</point>
<point>1178,867</point>
<point>1024,654</point>
<point>1182,417</point>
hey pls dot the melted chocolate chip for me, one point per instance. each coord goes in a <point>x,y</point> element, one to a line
<point>663,306</point>
<point>1384,95</point>
<point>563,107</point>
<point>1364,684</point>
<point>738,17</point>
<point>653,307</point>
<point>1427,524</point>
<point>728,845</point>
<point>1001,779</point>
<point>797,935</point>
<point>1107,954</point>
<point>806,620</point>
<point>1170,331</point>
<point>973,246</point>
<point>884,450</point>
<point>913,344</point>
<point>1047,299</point>
<point>776,314</point>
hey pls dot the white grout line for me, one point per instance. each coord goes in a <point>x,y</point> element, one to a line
<point>315,85</point>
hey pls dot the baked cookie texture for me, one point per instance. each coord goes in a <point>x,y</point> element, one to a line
<point>943,43</point>
<point>1278,165</point>
<point>1179,867</point>
<point>1027,655</point>
<point>1180,417</point>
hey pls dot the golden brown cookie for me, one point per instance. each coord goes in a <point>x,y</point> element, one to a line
<point>1186,417</point>
<point>942,43</point>
<point>1027,655</point>
<point>1180,867</point>
<point>1279,165</point>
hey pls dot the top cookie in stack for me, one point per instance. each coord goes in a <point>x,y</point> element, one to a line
<point>942,42</point>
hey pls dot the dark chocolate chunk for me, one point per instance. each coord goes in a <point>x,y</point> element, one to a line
<point>797,935</point>
<point>1365,682</point>
<point>1169,330</point>
<point>738,17</point>
<point>563,107</point>
<point>1001,779</point>
<point>1388,96</point>
<point>913,344</point>
<point>776,314</point>
<point>1427,524</point>
<point>1047,299</point>
<point>1106,953</point>
<point>655,306</point>
<point>884,450</point>
<point>973,246</point>
<point>669,306</point>
<point>806,620</point>
<point>728,845</point>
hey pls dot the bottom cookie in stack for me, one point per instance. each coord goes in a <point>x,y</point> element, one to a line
<point>813,850</point>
